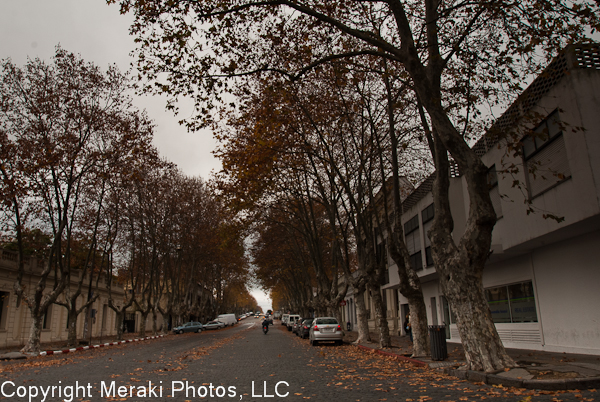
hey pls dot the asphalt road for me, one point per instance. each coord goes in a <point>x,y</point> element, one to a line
<point>241,363</point>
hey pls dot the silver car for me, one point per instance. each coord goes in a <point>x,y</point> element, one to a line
<point>325,329</point>
<point>214,325</point>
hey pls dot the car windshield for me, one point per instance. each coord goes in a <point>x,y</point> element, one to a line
<point>327,321</point>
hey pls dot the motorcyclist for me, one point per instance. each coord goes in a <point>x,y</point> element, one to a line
<point>266,322</point>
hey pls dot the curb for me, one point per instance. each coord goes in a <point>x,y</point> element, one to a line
<point>546,385</point>
<point>64,351</point>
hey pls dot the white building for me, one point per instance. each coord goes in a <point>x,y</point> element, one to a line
<point>543,277</point>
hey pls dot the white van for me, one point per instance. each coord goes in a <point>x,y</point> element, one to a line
<point>284,319</point>
<point>227,319</point>
<point>291,321</point>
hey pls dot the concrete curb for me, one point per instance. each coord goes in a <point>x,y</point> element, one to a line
<point>546,385</point>
<point>58,352</point>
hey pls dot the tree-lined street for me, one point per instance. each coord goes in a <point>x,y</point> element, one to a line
<point>364,172</point>
<point>249,365</point>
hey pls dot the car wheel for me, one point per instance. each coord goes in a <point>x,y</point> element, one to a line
<point>198,330</point>
<point>314,342</point>
<point>339,343</point>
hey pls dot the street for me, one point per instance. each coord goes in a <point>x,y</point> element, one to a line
<point>241,363</point>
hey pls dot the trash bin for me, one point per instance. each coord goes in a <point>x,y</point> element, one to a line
<point>437,338</point>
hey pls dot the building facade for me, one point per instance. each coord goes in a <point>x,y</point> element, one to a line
<point>15,317</point>
<point>542,279</point>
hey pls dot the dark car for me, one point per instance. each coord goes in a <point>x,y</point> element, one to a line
<point>304,328</point>
<point>191,326</point>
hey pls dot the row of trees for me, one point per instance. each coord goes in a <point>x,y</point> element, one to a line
<point>337,101</point>
<point>84,190</point>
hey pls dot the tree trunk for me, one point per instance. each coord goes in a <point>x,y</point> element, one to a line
<point>35,331</point>
<point>460,266</point>
<point>361,315</point>
<point>72,330</point>
<point>418,326</point>
<point>144,318</point>
<point>165,326</point>
<point>381,316</point>
<point>483,348</point>
<point>410,287</point>
<point>119,320</point>
<point>154,316</point>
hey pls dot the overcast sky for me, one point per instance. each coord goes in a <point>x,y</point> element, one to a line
<point>96,31</point>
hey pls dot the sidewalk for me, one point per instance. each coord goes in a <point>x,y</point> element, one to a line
<point>536,370</point>
<point>60,347</point>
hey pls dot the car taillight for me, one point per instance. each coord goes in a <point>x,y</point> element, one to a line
<point>316,328</point>
<point>339,328</point>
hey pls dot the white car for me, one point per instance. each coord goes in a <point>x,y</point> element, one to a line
<point>291,321</point>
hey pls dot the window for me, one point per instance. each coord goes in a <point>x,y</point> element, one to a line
<point>104,316</point>
<point>47,320</point>
<point>494,192</point>
<point>428,257</point>
<point>412,224</point>
<point>512,303</point>
<point>381,253</point>
<point>427,217</point>
<point>412,235</point>
<point>427,214</point>
<point>4,297</point>
<point>449,316</point>
<point>416,261</point>
<point>545,156</point>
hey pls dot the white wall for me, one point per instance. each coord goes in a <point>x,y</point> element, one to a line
<point>568,289</point>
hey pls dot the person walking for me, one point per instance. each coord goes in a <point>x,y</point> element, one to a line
<point>407,326</point>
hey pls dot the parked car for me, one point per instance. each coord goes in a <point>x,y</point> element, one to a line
<point>284,319</point>
<point>292,320</point>
<point>214,325</point>
<point>325,329</point>
<point>192,326</point>
<point>304,328</point>
<point>296,325</point>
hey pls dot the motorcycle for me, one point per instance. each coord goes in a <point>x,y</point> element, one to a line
<point>266,329</point>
